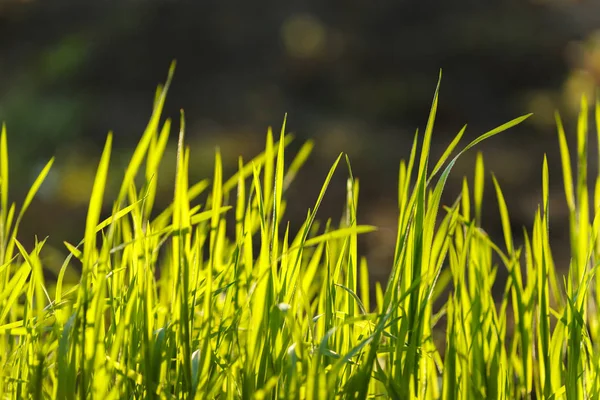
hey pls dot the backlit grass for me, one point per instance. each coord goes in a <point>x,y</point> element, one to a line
<point>215,297</point>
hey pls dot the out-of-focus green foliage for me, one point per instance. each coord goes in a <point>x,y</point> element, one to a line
<point>357,78</point>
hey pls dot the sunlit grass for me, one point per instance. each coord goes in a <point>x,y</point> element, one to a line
<point>179,303</point>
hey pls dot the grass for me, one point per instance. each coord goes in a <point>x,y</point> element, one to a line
<point>220,299</point>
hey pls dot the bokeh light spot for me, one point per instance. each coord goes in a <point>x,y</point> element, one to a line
<point>303,36</point>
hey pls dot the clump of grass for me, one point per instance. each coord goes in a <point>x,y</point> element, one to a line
<point>172,304</point>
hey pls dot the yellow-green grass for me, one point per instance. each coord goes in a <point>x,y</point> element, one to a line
<point>175,303</point>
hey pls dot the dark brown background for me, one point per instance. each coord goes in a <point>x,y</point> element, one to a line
<point>354,76</point>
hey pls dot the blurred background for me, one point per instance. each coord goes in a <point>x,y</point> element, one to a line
<point>353,75</point>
